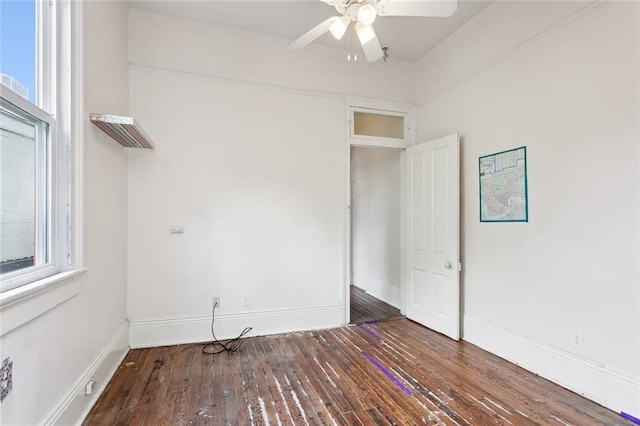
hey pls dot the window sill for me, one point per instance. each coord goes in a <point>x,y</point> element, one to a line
<point>22,304</point>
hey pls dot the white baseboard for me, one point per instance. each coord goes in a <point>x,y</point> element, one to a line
<point>390,295</point>
<point>74,407</point>
<point>173,331</point>
<point>613,389</point>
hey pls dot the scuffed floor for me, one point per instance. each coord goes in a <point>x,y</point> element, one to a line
<point>392,372</point>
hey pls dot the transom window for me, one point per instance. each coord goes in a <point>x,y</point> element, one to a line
<point>378,125</point>
<point>381,124</point>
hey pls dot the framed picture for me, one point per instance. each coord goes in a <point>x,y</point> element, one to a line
<point>503,186</point>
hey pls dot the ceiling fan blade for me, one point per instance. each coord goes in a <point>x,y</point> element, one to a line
<point>435,8</point>
<point>372,49</point>
<point>312,34</point>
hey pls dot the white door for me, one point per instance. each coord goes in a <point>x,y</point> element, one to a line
<point>432,241</point>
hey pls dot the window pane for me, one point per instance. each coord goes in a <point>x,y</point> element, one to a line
<point>23,212</point>
<point>378,125</point>
<point>18,47</point>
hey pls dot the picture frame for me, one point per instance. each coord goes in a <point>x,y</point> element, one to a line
<point>503,186</point>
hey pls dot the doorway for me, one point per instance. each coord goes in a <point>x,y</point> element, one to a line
<point>375,234</point>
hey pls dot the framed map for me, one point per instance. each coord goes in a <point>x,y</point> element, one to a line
<point>503,186</point>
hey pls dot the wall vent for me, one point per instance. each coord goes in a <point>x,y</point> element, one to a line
<point>124,130</point>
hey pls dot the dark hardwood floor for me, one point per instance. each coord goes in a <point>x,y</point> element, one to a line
<point>365,308</point>
<point>390,372</point>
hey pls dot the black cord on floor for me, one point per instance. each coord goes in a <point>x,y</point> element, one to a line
<point>232,345</point>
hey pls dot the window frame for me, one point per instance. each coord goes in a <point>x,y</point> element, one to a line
<point>395,109</point>
<point>52,106</point>
<point>44,202</point>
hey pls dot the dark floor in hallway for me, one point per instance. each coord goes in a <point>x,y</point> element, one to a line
<point>365,307</point>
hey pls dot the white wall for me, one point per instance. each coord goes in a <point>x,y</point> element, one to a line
<point>251,159</point>
<point>256,176</point>
<point>561,79</point>
<point>375,212</point>
<point>85,337</point>
<point>167,43</point>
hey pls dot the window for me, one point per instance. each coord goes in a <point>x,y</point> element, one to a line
<point>381,124</point>
<point>378,125</point>
<point>34,169</point>
<point>18,47</point>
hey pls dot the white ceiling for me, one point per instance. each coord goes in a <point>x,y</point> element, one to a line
<point>408,38</point>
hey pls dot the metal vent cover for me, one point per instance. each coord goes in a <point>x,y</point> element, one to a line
<point>125,130</point>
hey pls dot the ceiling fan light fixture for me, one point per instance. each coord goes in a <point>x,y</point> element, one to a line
<point>365,33</point>
<point>339,27</point>
<point>366,14</point>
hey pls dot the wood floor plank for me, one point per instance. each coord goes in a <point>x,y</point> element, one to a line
<point>120,390</point>
<point>390,372</point>
<point>322,379</point>
<point>226,373</point>
<point>173,373</point>
<point>332,398</point>
<point>298,397</point>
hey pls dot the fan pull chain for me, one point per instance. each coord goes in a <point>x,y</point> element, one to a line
<point>355,55</point>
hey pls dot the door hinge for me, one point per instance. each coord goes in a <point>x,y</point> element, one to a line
<point>459,267</point>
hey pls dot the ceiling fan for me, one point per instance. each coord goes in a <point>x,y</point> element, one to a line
<point>364,12</point>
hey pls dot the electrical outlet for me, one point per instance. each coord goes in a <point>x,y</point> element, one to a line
<point>577,340</point>
<point>216,302</point>
<point>88,388</point>
<point>246,300</point>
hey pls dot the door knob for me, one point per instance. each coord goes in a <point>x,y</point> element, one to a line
<point>448,265</point>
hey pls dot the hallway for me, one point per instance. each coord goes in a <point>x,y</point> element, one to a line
<point>366,308</point>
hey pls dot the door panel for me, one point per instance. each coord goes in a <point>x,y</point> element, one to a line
<point>418,237</point>
<point>432,235</point>
<point>417,286</point>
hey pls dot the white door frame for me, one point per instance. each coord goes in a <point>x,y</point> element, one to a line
<point>384,108</point>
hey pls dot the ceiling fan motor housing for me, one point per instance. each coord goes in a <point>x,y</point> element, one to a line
<point>363,13</point>
<point>352,8</point>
